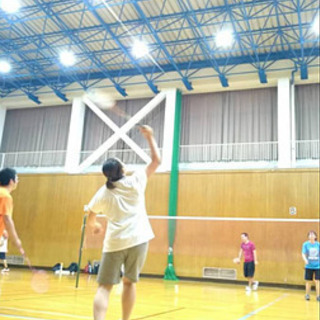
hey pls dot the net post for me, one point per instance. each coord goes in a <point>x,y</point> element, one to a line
<point>169,273</point>
<point>83,229</point>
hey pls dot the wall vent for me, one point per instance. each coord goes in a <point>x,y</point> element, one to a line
<point>15,260</point>
<point>219,273</point>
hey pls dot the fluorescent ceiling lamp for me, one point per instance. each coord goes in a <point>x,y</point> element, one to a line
<point>5,66</point>
<point>315,25</point>
<point>10,6</point>
<point>139,49</point>
<point>224,38</point>
<point>67,58</point>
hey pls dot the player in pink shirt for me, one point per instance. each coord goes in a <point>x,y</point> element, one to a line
<point>248,251</point>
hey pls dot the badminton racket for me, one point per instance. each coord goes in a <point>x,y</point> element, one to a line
<point>123,114</point>
<point>105,102</point>
<point>39,279</point>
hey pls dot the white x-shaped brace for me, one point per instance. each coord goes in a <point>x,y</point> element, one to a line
<point>120,133</point>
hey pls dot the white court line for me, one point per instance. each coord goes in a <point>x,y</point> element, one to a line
<point>21,317</point>
<point>264,307</point>
<point>43,312</point>
<point>225,218</point>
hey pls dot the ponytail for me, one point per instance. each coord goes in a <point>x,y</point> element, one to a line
<point>110,184</point>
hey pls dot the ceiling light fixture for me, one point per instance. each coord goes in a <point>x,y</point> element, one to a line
<point>5,66</point>
<point>10,6</point>
<point>224,38</point>
<point>67,58</point>
<point>315,25</point>
<point>139,49</point>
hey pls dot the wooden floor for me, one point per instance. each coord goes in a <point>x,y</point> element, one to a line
<point>157,300</point>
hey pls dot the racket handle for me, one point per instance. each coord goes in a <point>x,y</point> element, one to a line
<point>27,260</point>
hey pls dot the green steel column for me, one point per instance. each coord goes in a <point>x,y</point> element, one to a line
<point>170,273</point>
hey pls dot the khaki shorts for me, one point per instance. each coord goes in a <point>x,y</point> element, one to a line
<point>132,258</point>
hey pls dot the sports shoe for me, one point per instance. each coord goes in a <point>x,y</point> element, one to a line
<point>318,298</point>
<point>255,285</point>
<point>248,289</point>
<point>5,270</point>
<point>307,297</point>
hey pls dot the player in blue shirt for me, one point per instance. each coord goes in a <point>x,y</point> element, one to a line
<point>311,257</point>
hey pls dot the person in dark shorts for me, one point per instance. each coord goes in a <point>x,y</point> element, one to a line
<point>311,258</point>
<point>248,251</point>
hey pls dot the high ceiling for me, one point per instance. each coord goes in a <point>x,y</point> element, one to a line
<point>269,36</point>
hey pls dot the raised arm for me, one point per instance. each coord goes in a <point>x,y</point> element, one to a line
<point>147,132</point>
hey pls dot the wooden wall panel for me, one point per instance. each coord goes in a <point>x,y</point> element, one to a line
<point>202,244</point>
<point>267,194</point>
<point>48,214</point>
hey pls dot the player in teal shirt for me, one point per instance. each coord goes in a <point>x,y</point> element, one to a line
<point>311,257</point>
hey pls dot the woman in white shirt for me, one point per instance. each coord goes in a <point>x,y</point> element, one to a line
<point>122,200</point>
